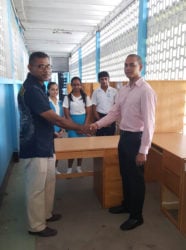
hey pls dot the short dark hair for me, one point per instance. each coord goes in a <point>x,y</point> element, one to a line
<point>139,59</point>
<point>37,54</point>
<point>103,74</point>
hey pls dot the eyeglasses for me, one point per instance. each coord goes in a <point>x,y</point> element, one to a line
<point>43,67</point>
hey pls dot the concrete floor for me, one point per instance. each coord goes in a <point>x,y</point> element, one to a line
<point>85,225</point>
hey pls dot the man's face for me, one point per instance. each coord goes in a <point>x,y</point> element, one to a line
<point>104,81</point>
<point>41,69</point>
<point>132,67</point>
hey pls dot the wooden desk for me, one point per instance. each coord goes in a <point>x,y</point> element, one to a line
<point>173,176</point>
<point>166,163</point>
<point>107,180</point>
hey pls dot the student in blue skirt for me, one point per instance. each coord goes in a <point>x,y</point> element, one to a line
<point>56,105</point>
<point>77,107</point>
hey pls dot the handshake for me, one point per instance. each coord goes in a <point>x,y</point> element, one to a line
<point>89,129</point>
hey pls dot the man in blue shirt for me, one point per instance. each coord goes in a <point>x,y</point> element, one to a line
<point>37,145</point>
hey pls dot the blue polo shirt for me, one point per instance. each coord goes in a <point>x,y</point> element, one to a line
<point>36,133</point>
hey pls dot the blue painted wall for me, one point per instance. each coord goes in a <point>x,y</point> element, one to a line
<point>9,123</point>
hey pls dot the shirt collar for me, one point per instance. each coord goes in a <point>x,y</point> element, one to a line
<point>138,83</point>
<point>108,89</point>
<point>34,81</point>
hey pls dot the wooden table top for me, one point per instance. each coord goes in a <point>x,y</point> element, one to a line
<point>175,143</point>
<point>86,143</point>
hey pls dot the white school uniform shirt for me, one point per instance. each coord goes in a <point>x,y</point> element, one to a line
<point>104,100</point>
<point>56,106</point>
<point>77,107</point>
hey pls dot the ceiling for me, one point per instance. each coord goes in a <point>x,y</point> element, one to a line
<point>59,27</point>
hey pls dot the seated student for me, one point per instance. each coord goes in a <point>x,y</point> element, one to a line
<point>56,105</point>
<point>77,107</point>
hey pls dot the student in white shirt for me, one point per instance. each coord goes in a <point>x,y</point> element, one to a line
<point>56,105</point>
<point>77,107</point>
<point>103,98</point>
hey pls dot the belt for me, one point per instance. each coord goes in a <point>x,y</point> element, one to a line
<point>101,114</point>
<point>125,132</point>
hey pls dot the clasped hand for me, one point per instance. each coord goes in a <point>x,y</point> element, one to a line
<point>88,129</point>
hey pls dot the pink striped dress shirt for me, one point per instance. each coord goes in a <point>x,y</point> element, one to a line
<point>135,111</point>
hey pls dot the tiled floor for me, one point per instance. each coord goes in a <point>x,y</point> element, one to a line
<point>85,225</point>
<point>13,230</point>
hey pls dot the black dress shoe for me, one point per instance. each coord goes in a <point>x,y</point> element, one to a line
<point>118,210</point>
<point>131,223</point>
<point>54,217</point>
<point>47,232</point>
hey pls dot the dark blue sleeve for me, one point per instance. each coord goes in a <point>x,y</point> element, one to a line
<point>37,100</point>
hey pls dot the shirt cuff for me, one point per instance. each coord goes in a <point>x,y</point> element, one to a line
<point>144,150</point>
